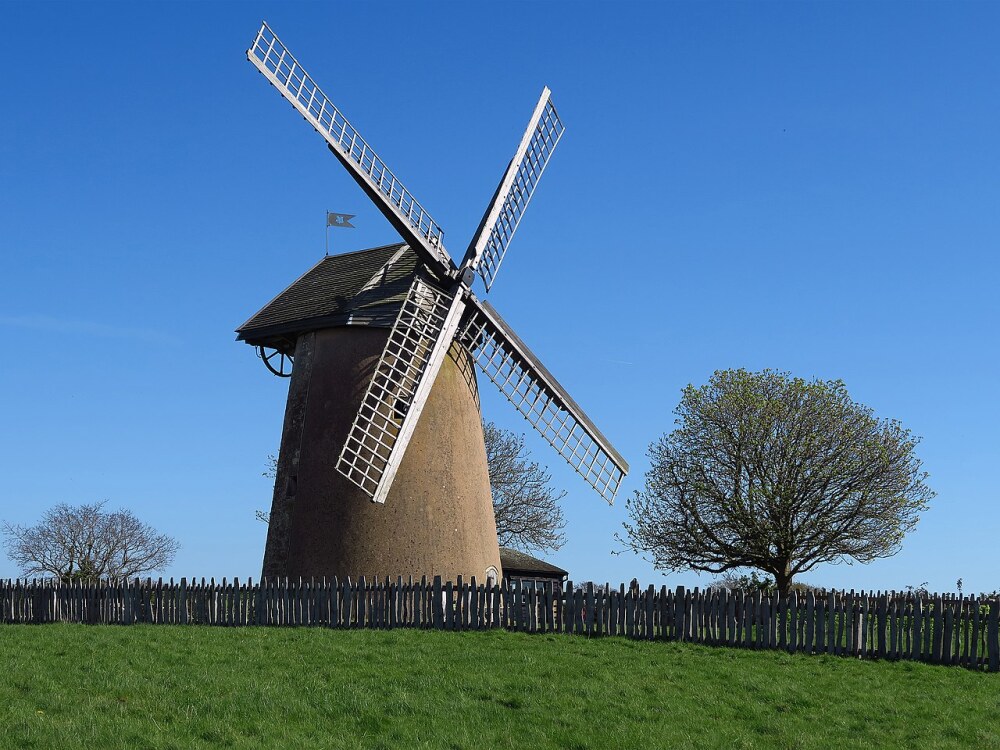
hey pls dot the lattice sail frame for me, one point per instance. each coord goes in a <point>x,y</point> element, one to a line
<point>280,67</point>
<point>525,382</point>
<point>414,352</point>
<point>429,318</point>
<point>487,250</point>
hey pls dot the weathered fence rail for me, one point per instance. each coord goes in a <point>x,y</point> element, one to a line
<point>940,629</point>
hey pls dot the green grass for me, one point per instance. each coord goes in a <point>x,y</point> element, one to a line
<point>75,686</point>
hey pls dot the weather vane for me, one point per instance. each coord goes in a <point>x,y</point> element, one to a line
<point>337,220</point>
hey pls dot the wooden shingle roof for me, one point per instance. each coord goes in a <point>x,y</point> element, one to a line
<point>517,564</point>
<point>358,288</point>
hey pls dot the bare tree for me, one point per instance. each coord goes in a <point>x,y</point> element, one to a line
<point>84,542</point>
<point>526,507</point>
<point>271,472</point>
<point>775,473</point>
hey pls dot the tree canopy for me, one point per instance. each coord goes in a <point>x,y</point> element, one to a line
<point>771,472</point>
<point>83,542</point>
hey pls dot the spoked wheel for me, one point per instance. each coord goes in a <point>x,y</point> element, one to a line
<point>277,362</point>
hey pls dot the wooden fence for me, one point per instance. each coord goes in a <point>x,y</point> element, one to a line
<point>882,625</point>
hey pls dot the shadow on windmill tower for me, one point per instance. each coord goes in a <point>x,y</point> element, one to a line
<point>438,514</point>
<point>382,467</point>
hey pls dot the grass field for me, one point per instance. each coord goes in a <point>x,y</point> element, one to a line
<point>76,686</point>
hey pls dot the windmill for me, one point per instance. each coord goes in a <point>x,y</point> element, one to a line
<point>392,416</point>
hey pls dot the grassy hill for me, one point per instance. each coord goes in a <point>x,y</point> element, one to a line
<point>75,686</point>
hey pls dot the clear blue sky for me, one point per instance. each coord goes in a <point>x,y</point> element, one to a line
<point>809,187</point>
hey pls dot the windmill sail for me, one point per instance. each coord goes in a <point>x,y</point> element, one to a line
<point>505,360</point>
<point>489,245</point>
<point>397,204</point>
<point>417,345</point>
<point>430,319</point>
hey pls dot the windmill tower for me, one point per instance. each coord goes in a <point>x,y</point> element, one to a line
<point>382,468</point>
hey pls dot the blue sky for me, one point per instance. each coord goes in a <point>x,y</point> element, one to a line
<point>809,187</point>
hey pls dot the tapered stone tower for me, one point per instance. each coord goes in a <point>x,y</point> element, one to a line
<point>438,516</point>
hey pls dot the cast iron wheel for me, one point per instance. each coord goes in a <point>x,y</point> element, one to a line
<point>277,362</point>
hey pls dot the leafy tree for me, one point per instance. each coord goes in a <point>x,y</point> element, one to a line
<point>771,472</point>
<point>920,590</point>
<point>73,543</point>
<point>753,583</point>
<point>525,505</point>
<point>748,584</point>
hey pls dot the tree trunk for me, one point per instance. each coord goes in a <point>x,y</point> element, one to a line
<point>783,580</point>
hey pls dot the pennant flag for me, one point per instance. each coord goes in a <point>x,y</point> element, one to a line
<point>339,220</point>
